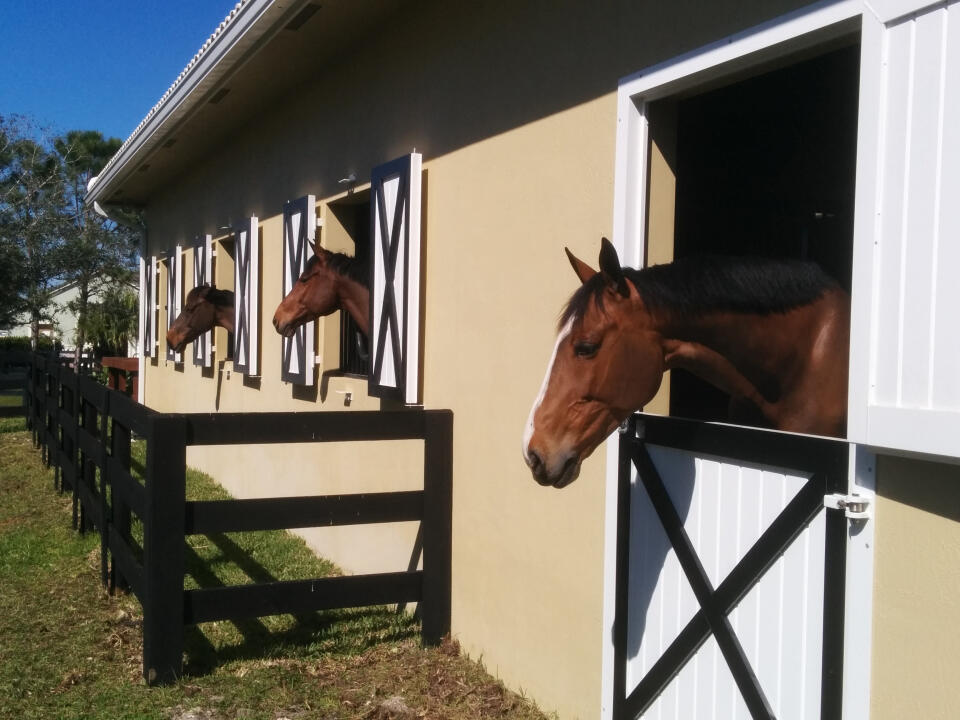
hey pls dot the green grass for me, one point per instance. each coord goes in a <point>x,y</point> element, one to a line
<point>70,650</point>
<point>11,424</point>
<point>11,399</point>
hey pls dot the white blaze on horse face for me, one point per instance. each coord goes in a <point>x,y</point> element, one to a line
<point>528,432</point>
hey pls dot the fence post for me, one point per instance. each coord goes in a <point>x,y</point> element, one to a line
<point>55,443</point>
<point>437,525</point>
<point>104,484</point>
<point>38,370</point>
<point>120,522</point>
<point>88,469</point>
<point>163,550</point>
<point>68,450</point>
<point>72,406</point>
<point>51,413</point>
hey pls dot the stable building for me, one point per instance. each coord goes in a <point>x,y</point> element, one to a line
<point>456,149</point>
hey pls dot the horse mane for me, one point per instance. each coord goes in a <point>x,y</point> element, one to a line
<point>214,295</point>
<point>715,283</point>
<point>220,297</point>
<point>348,266</point>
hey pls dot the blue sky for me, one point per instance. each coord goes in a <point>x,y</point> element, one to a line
<point>97,64</point>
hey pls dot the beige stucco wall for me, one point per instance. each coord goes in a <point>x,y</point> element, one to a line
<point>527,562</point>
<point>517,123</point>
<point>916,633</point>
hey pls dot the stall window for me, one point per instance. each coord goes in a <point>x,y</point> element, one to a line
<point>763,166</point>
<point>347,230</point>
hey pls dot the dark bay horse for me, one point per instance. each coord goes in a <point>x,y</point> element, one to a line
<point>772,334</point>
<point>204,307</point>
<point>331,281</point>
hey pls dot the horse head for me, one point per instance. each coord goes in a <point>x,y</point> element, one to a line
<point>607,362</point>
<point>313,294</point>
<point>199,314</point>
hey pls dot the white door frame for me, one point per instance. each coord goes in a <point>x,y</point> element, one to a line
<point>803,28</point>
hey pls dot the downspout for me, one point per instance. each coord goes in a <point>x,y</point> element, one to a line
<point>134,222</point>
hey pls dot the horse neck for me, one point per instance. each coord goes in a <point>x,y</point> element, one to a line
<point>224,316</point>
<point>758,345</point>
<point>354,297</point>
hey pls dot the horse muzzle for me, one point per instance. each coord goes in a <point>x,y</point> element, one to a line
<point>557,473</point>
<point>176,344</point>
<point>286,329</point>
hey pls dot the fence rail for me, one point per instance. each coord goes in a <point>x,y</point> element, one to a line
<point>85,430</point>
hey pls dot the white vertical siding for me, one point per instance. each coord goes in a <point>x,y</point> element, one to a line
<point>945,386</point>
<point>725,507</point>
<point>913,401</point>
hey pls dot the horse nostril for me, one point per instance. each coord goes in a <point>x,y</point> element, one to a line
<point>533,460</point>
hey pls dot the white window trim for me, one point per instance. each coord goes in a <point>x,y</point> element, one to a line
<point>174,302</point>
<point>405,385</point>
<point>204,243</point>
<point>306,208</point>
<point>252,297</point>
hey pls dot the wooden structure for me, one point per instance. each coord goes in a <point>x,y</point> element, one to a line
<point>818,130</point>
<point>118,369</point>
<point>86,429</point>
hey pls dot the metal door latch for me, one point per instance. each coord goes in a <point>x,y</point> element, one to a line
<point>855,507</point>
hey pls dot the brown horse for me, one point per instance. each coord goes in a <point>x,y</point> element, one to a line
<point>205,307</point>
<point>330,282</point>
<point>772,334</point>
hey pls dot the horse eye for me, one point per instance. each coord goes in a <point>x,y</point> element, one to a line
<point>586,349</point>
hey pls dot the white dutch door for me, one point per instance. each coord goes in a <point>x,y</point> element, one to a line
<point>728,564</point>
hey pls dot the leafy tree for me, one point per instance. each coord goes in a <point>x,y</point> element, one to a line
<point>110,323</point>
<point>48,235</point>
<point>97,253</point>
<point>32,223</point>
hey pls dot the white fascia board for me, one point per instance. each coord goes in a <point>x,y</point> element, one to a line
<point>240,32</point>
<point>739,50</point>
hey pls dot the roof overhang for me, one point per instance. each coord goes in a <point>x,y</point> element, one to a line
<point>262,49</point>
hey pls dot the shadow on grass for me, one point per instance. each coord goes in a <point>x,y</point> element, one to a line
<point>309,635</point>
<point>340,632</point>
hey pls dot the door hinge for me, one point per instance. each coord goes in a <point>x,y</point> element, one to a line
<point>855,507</point>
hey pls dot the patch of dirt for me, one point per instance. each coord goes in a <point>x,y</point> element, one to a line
<point>74,677</point>
<point>393,708</point>
<point>13,521</point>
<point>405,681</point>
<point>195,713</point>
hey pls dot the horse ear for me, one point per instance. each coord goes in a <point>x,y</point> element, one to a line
<point>610,267</point>
<point>313,246</point>
<point>583,271</point>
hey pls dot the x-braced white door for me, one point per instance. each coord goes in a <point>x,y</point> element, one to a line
<point>730,573</point>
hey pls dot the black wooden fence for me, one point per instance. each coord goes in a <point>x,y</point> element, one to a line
<point>85,429</point>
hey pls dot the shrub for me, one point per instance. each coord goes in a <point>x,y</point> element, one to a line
<point>22,342</point>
